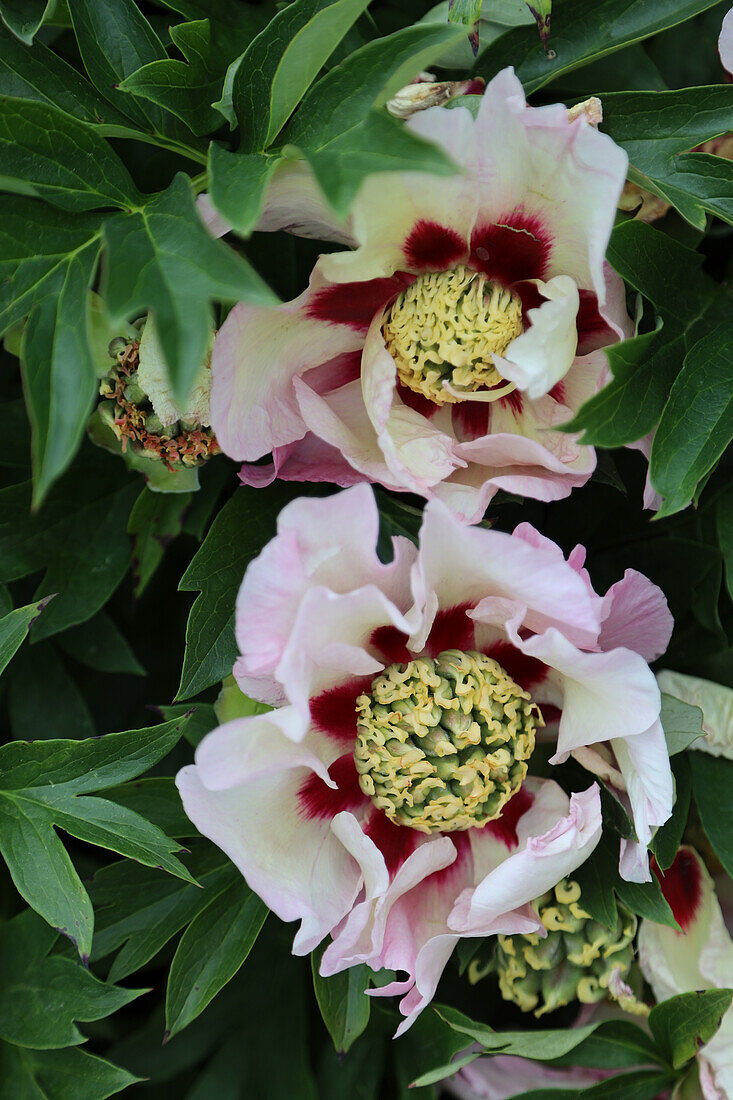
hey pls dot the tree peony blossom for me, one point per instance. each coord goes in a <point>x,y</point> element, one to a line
<point>725,42</point>
<point>698,957</point>
<point>386,800</point>
<point>441,355</point>
<point>505,1075</point>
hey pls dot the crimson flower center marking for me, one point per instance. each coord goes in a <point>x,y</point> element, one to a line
<point>444,330</point>
<point>442,744</point>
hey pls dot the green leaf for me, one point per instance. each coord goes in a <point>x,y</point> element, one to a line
<point>378,144</point>
<point>156,798</point>
<point>642,1085</point>
<point>441,1072</point>
<point>155,520</point>
<point>363,81</point>
<point>467,12</point>
<point>238,183</point>
<point>59,376</point>
<point>685,1023</point>
<point>542,1046</point>
<point>583,33</point>
<point>724,525</point>
<point>46,153</point>
<point>616,1044</point>
<point>697,423</point>
<point>37,244</point>
<point>644,368</point>
<point>162,259</point>
<point>139,911</point>
<point>597,878</point>
<point>40,788</point>
<point>343,1002</point>
<point>78,537</point>
<point>115,40</point>
<point>57,711</point>
<point>242,527</point>
<point>99,644</point>
<point>283,60</point>
<point>37,73</point>
<point>68,1074</point>
<point>712,779</point>
<point>646,900</point>
<point>15,626</point>
<point>42,996</point>
<point>24,17</point>
<point>681,722</point>
<point>211,951</point>
<point>668,837</point>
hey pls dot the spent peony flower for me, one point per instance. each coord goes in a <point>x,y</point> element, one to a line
<point>440,356</point>
<point>386,800</point>
<point>698,957</point>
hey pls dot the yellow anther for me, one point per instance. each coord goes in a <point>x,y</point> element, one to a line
<point>443,744</point>
<point>446,328</point>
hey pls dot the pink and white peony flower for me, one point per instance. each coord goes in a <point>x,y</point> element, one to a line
<point>698,957</point>
<point>505,1075</point>
<point>440,355</point>
<point>386,800</point>
<point>725,42</point>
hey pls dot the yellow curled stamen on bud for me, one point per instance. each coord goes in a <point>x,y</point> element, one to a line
<point>446,328</point>
<point>443,744</point>
<point>577,960</point>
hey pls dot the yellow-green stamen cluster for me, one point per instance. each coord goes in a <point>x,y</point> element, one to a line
<point>576,961</point>
<point>443,744</point>
<point>447,327</point>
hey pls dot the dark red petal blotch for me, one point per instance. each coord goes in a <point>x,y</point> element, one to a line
<point>318,800</point>
<point>515,248</point>
<point>525,671</point>
<point>354,304</point>
<point>470,420</point>
<point>390,644</point>
<point>452,629</point>
<point>505,827</point>
<point>432,247</point>
<point>395,842</point>
<point>334,710</point>
<point>682,886</point>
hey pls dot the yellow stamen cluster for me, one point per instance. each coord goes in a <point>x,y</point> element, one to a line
<point>576,960</point>
<point>443,744</point>
<point>447,327</point>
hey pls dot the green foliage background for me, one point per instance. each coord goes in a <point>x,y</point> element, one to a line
<point>122,927</point>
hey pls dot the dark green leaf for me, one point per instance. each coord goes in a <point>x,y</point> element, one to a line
<point>59,376</point>
<point>240,530</point>
<point>78,537</point>
<point>597,878</point>
<point>366,79</point>
<point>140,910</point>
<point>99,644</point>
<point>115,39</point>
<point>37,243</point>
<point>543,1046</point>
<point>681,722</point>
<point>157,799</point>
<point>155,520</point>
<point>378,144</point>
<point>724,524</point>
<point>57,711</point>
<point>40,74</point>
<point>646,900</point>
<point>712,782</point>
<point>69,1074</point>
<point>697,423</point>
<point>211,951</point>
<point>41,783</point>
<point>238,183</point>
<point>644,368</point>
<point>278,67</point>
<point>343,1002</point>
<point>581,34</point>
<point>616,1044</point>
<point>41,996</point>
<point>684,1023</point>
<point>643,1085</point>
<point>24,17</point>
<point>161,258</point>
<point>441,1072</point>
<point>45,152</point>
<point>15,626</point>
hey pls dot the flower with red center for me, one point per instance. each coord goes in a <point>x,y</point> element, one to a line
<point>699,956</point>
<point>442,353</point>
<point>387,800</point>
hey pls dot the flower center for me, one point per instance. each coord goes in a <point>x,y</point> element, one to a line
<point>443,744</point>
<point>575,962</point>
<point>446,329</point>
